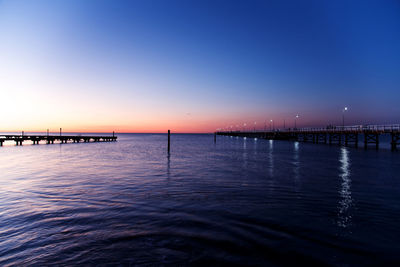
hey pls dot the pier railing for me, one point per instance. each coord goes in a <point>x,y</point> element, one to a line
<point>331,134</point>
<point>50,139</point>
<point>353,128</point>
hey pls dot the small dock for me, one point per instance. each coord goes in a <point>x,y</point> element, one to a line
<point>50,139</point>
<point>341,135</point>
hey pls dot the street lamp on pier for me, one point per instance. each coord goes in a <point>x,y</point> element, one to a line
<point>343,111</point>
<point>295,121</point>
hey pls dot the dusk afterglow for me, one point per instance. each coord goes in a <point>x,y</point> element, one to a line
<point>195,66</point>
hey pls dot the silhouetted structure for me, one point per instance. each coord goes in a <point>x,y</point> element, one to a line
<point>169,140</point>
<point>50,139</point>
<point>348,135</point>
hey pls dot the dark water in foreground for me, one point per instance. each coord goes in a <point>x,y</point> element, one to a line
<point>244,202</point>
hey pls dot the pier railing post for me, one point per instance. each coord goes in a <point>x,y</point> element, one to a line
<point>169,140</point>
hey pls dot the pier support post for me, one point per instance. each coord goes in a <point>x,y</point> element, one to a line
<point>371,138</point>
<point>356,142</point>
<point>365,141</point>
<point>169,140</point>
<point>395,140</point>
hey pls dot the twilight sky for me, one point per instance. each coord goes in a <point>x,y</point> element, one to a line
<point>194,66</point>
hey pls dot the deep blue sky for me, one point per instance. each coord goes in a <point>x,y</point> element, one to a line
<point>200,65</point>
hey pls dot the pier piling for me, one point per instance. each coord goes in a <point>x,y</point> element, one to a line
<point>49,139</point>
<point>343,135</point>
<point>169,140</point>
<point>395,140</point>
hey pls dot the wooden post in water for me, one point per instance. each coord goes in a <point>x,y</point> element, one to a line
<point>169,140</point>
<point>215,137</point>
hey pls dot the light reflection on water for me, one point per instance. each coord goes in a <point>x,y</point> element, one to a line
<point>234,202</point>
<point>271,158</point>
<point>296,161</point>
<point>345,191</point>
<point>296,165</point>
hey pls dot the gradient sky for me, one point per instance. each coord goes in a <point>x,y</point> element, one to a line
<point>194,66</point>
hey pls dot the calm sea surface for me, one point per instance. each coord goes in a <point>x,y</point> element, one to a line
<point>240,201</point>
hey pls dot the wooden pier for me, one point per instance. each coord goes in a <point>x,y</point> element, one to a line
<point>347,135</point>
<point>50,139</point>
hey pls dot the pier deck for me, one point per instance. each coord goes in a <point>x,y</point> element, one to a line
<point>347,135</point>
<point>50,139</point>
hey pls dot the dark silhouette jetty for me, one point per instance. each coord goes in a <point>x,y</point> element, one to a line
<point>50,139</point>
<point>341,135</point>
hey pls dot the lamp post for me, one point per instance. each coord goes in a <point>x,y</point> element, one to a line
<point>255,125</point>
<point>295,121</point>
<point>270,125</point>
<point>244,127</point>
<point>343,111</point>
